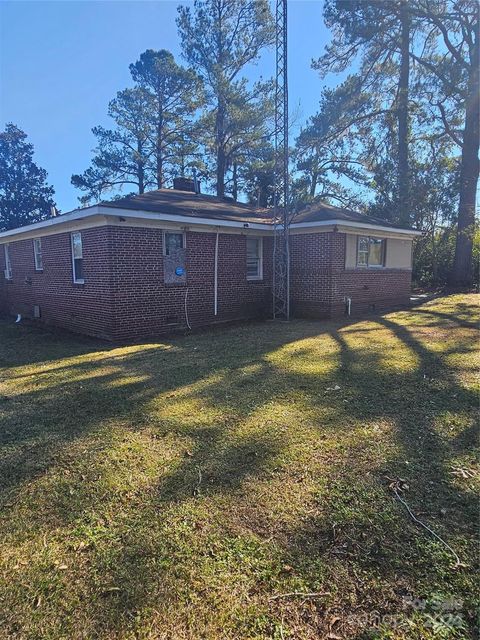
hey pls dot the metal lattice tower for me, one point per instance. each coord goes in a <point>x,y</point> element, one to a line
<point>281,257</point>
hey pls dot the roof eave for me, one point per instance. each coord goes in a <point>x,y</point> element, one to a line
<point>183,219</point>
<point>117,212</point>
<point>187,221</point>
<point>355,225</point>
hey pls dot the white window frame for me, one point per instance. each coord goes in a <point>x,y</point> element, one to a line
<point>259,276</point>
<point>178,233</point>
<point>384,253</point>
<point>8,263</point>
<point>76,280</point>
<point>37,254</point>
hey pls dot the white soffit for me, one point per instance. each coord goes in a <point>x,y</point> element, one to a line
<point>100,215</point>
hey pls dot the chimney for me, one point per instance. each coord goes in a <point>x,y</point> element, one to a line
<point>185,184</point>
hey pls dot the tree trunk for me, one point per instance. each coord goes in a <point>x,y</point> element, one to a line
<point>221,157</point>
<point>235,181</point>
<point>313,183</point>
<point>159,154</point>
<point>159,171</point>
<point>141,178</point>
<point>462,275</point>
<point>140,170</point>
<point>434,259</point>
<point>403,119</point>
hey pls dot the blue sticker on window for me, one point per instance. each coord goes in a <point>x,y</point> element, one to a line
<point>179,271</point>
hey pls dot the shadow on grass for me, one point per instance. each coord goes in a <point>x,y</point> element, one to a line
<point>203,391</point>
<point>65,403</point>
<point>358,529</point>
<point>452,318</point>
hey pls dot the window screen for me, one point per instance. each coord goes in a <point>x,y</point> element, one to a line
<point>370,251</point>
<point>362,255</point>
<point>37,251</point>
<point>375,255</point>
<point>77,257</point>
<point>173,242</point>
<point>254,258</point>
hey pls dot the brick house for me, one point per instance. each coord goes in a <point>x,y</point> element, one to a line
<point>172,258</point>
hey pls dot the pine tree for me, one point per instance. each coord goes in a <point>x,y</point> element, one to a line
<point>219,39</point>
<point>152,133</point>
<point>176,94</point>
<point>123,154</point>
<point>378,35</point>
<point>25,196</point>
<point>330,150</point>
<point>451,58</point>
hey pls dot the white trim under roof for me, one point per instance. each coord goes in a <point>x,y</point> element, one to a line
<point>102,215</point>
<point>185,220</point>
<point>353,224</point>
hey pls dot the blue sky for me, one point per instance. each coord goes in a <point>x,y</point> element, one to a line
<point>61,62</point>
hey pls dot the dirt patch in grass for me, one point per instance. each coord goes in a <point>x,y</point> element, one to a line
<point>237,484</point>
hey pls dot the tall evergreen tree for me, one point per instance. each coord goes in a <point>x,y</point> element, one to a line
<point>248,127</point>
<point>441,38</point>
<point>25,196</point>
<point>378,35</point>
<point>123,154</point>
<point>176,94</point>
<point>451,57</point>
<point>330,150</point>
<point>153,131</point>
<point>219,39</point>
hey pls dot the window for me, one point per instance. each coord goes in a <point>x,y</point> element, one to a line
<point>375,255</point>
<point>254,259</point>
<point>172,242</point>
<point>370,252</point>
<point>37,252</point>
<point>77,257</point>
<point>8,264</point>
<point>362,253</point>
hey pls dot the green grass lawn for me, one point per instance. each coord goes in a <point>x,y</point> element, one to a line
<point>183,489</point>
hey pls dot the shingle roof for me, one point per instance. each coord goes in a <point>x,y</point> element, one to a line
<point>174,204</point>
<point>187,203</point>
<point>195,205</point>
<point>322,211</point>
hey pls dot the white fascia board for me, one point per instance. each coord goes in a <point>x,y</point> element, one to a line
<point>185,221</point>
<point>129,214</point>
<point>354,225</point>
<point>106,212</point>
<point>72,216</point>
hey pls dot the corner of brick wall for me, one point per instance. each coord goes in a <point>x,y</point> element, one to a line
<point>320,282</point>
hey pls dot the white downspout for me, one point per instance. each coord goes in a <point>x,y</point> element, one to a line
<point>215,282</point>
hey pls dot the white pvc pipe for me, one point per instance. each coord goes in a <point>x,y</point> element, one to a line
<point>215,282</point>
<point>186,309</point>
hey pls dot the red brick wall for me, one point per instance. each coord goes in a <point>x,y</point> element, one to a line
<point>311,274</point>
<point>124,295</point>
<point>371,290</point>
<point>320,282</point>
<point>84,308</point>
<point>145,305</point>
